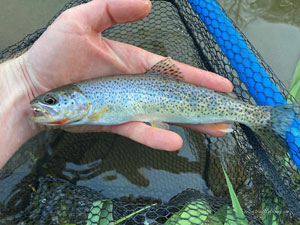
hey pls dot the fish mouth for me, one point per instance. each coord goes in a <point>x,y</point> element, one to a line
<point>42,114</point>
<point>38,111</point>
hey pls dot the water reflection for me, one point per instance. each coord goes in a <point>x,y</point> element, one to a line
<point>275,11</point>
<point>119,167</point>
<point>107,162</point>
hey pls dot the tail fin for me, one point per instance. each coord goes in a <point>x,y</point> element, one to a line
<point>282,117</point>
<point>273,134</point>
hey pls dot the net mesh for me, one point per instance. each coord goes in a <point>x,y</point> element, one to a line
<point>101,178</point>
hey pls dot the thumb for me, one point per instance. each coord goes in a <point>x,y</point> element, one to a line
<point>101,14</point>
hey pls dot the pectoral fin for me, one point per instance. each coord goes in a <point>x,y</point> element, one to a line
<point>96,115</point>
<point>224,127</point>
<point>160,125</point>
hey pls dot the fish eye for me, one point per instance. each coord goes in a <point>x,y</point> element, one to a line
<point>50,100</point>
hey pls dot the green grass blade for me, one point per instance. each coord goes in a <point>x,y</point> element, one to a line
<point>221,214</point>
<point>267,217</point>
<point>218,217</point>
<point>235,202</point>
<point>213,220</point>
<point>132,214</point>
<point>295,84</point>
<point>230,219</point>
<point>101,213</point>
<point>195,212</point>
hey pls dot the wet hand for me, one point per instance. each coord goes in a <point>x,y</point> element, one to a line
<point>73,49</point>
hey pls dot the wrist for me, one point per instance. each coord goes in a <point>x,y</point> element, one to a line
<point>16,92</point>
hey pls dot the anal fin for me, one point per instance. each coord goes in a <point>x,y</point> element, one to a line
<point>223,127</point>
<point>160,125</point>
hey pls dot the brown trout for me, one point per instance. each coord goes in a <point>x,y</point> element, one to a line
<point>156,96</point>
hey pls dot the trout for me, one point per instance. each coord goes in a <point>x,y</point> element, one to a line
<point>158,96</point>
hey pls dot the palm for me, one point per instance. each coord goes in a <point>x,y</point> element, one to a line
<point>67,53</point>
<point>73,49</point>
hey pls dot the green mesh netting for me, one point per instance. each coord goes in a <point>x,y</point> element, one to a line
<point>101,178</point>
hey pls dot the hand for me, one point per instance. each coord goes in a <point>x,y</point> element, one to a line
<point>72,49</point>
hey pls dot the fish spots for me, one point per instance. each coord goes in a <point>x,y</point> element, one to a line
<point>128,96</point>
<point>168,68</point>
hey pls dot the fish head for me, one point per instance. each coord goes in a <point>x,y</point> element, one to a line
<point>60,106</point>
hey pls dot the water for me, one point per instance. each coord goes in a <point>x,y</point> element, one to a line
<point>273,28</point>
<point>19,18</point>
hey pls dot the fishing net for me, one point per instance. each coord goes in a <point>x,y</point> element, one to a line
<point>104,178</point>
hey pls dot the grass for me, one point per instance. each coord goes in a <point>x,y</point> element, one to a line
<point>194,212</point>
<point>199,212</point>
<point>101,213</point>
<point>132,214</point>
<point>295,84</point>
<point>237,209</point>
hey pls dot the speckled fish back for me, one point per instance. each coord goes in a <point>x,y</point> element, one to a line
<point>148,98</point>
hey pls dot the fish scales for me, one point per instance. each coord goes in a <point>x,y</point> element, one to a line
<point>156,98</point>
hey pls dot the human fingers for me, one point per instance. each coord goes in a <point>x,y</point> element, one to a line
<point>205,78</point>
<point>101,14</point>
<point>151,136</point>
<point>140,132</point>
<point>136,60</point>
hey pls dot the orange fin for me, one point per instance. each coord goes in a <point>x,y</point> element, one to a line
<point>224,127</point>
<point>60,122</point>
<point>96,115</point>
<point>167,68</point>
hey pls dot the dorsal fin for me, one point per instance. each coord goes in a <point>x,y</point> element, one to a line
<point>167,68</point>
